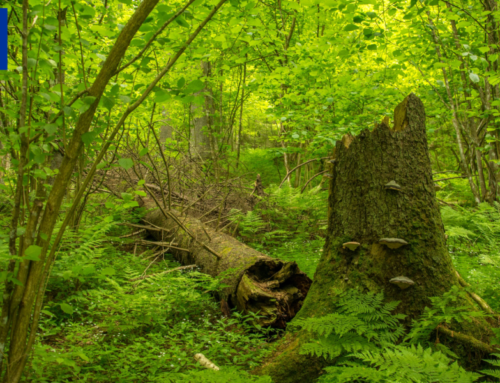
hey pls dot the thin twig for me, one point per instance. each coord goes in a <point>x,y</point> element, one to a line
<point>169,215</point>
<point>163,272</point>
<point>298,166</point>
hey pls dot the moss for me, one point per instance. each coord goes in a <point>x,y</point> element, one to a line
<point>287,365</point>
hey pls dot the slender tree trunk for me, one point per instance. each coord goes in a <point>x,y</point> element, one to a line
<point>240,128</point>
<point>362,209</point>
<point>201,144</point>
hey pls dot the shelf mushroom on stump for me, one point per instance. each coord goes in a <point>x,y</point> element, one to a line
<point>392,185</point>
<point>393,243</point>
<point>351,245</point>
<point>402,282</point>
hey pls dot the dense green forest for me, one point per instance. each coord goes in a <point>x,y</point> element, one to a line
<point>250,191</point>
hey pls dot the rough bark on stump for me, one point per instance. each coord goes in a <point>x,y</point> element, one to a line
<point>362,209</point>
<point>256,282</point>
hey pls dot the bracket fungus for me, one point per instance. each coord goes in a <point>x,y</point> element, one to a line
<point>402,282</point>
<point>393,243</point>
<point>392,185</point>
<point>351,245</point>
<point>332,161</point>
<point>328,175</point>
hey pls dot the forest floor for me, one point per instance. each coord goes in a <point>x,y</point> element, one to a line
<point>118,311</point>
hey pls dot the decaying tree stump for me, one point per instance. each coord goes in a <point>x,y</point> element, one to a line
<point>255,282</point>
<point>385,233</point>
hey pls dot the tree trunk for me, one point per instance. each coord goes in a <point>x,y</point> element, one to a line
<point>165,128</point>
<point>255,282</point>
<point>362,209</point>
<point>201,143</point>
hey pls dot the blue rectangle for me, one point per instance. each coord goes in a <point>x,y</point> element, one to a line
<point>3,38</point>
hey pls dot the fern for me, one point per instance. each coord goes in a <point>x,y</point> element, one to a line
<point>400,364</point>
<point>360,322</point>
<point>361,336</point>
<point>445,309</point>
<point>496,363</point>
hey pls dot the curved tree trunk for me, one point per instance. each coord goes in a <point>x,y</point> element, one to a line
<point>364,209</point>
<point>254,282</point>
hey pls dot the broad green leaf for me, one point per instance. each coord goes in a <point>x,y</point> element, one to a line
<point>182,22</point>
<point>162,96</point>
<point>125,99</point>
<point>89,137</point>
<point>107,102</point>
<point>143,152</point>
<point>126,163</point>
<point>50,128</point>
<point>67,308</point>
<point>33,253</point>
<point>195,86</point>
<point>474,77</point>
<point>350,27</point>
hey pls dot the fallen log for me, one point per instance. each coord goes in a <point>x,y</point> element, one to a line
<point>254,282</point>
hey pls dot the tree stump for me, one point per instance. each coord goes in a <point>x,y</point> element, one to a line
<point>385,232</point>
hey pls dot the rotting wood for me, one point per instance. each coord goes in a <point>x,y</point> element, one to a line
<point>255,282</point>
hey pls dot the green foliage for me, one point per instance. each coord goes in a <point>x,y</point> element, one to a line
<point>496,363</point>
<point>225,375</point>
<point>359,322</point>
<point>102,324</point>
<point>288,225</point>
<point>447,309</point>
<point>362,338</point>
<point>473,241</point>
<point>400,364</point>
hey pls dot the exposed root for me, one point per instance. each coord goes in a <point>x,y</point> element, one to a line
<point>480,301</point>
<point>471,341</point>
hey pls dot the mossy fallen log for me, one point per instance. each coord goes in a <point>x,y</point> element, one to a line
<point>255,282</point>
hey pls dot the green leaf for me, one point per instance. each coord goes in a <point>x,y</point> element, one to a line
<point>143,152</point>
<point>194,86</point>
<point>161,96</point>
<point>372,47</point>
<point>50,128</point>
<point>126,163</point>
<point>32,253</point>
<point>474,77</point>
<point>66,308</point>
<point>89,137</point>
<point>181,82</point>
<point>108,271</point>
<point>182,22</point>
<point>68,111</point>
<point>107,102</point>
<point>125,99</point>
<point>350,27</point>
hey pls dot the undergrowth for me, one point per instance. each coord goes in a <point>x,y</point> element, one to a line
<point>288,225</point>
<point>366,343</point>
<point>100,323</point>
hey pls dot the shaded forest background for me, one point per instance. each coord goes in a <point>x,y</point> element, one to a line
<point>229,113</point>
